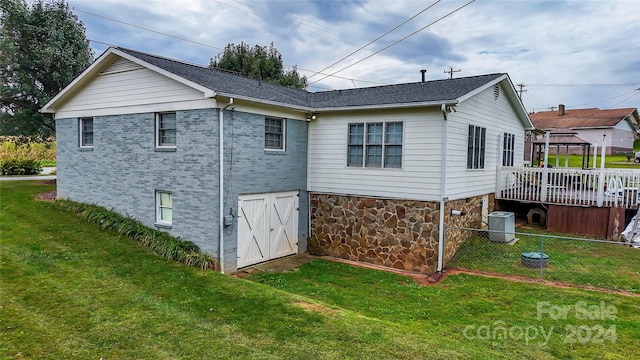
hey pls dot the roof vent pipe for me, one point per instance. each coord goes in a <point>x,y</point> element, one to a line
<point>423,71</point>
<point>561,110</point>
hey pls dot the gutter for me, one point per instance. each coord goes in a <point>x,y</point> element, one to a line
<point>221,184</point>
<point>388,106</point>
<point>451,102</point>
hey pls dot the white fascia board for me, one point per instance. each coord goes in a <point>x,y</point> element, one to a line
<point>482,88</point>
<point>511,94</point>
<point>100,63</point>
<point>106,59</point>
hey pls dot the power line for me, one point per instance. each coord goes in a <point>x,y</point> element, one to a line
<point>396,42</point>
<point>583,84</point>
<point>147,29</point>
<point>632,95</point>
<point>378,38</point>
<point>601,100</point>
<point>302,21</point>
<point>195,42</point>
<point>263,12</point>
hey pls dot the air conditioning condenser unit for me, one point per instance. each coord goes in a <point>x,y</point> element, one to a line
<point>502,226</point>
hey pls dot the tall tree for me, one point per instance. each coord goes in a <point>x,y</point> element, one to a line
<point>259,62</point>
<point>43,47</point>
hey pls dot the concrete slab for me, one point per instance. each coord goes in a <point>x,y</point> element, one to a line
<point>293,262</point>
<point>288,263</point>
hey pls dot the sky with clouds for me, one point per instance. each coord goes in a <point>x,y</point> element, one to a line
<point>580,53</point>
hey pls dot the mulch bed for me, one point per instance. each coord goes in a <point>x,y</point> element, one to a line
<point>47,195</point>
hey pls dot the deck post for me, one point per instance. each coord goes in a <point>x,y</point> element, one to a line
<point>545,170</point>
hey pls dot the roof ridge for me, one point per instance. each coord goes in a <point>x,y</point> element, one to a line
<point>199,66</point>
<point>409,83</point>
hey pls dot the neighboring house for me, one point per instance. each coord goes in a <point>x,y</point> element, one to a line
<point>618,127</point>
<point>368,174</point>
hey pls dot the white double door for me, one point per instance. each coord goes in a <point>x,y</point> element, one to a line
<point>267,227</point>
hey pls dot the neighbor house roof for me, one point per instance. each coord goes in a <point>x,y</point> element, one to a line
<point>213,82</point>
<point>583,118</point>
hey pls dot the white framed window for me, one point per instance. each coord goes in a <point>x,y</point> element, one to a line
<point>375,144</point>
<point>274,133</point>
<point>85,131</point>
<point>508,148</point>
<point>476,144</point>
<point>164,207</point>
<point>166,130</point>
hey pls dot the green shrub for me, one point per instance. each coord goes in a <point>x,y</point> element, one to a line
<point>27,147</point>
<point>162,244</point>
<point>48,163</point>
<point>20,167</point>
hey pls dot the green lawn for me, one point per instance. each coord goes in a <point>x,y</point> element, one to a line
<point>600,264</point>
<point>72,290</point>
<point>610,161</point>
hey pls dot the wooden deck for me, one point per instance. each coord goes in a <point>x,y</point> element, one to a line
<point>570,186</point>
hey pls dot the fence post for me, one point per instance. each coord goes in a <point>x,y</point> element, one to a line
<point>541,257</point>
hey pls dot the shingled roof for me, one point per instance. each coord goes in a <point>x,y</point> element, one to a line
<point>222,82</point>
<point>582,118</point>
<point>225,82</point>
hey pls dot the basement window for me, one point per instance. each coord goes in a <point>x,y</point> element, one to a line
<point>164,208</point>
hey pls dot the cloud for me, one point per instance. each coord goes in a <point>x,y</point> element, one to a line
<point>536,42</point>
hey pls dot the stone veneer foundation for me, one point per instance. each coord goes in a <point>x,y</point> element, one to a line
<point>397,233</point>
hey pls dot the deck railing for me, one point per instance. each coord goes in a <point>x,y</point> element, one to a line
<point>570,186</point>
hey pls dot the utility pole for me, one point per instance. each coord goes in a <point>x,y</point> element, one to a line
<point>521,90</point>
<point>552,108</point>
<point>450,72</point>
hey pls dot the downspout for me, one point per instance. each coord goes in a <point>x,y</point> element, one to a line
<point>221,184</point>
<point>443,190</point>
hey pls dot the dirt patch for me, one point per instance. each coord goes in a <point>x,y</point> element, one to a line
<point>314,307</point>
<point>46,196</point>
<point>525,279</point>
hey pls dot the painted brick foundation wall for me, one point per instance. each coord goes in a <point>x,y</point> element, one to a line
<point>123,170</point>
<point>397,233</point>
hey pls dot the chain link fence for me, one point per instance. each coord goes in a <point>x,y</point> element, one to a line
<point>567,260</point>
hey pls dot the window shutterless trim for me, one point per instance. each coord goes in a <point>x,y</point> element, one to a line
<point>377,144</point>
<point>159,207</point>
<point>271,130</point>
<point>476,147</point>
<point>508,149</point>
<point>159,130</point>
<point>84,133</point>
